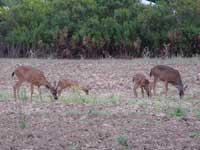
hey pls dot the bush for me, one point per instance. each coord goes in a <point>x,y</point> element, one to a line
<point>112,27</point>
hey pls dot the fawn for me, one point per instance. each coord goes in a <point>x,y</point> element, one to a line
<point>67,83</point>
<point>141,81</point>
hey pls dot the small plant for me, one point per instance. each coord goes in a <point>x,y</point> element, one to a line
<point>114,99</point>
<point>178,112</point>
<point>122,140</point>
<point>23,95</point>
<point>89,99</point>
<point>73,112</point>
<point>72,147</point>
<point>4,95</point>
<point>198,114</point>
<point>193,135</point>
<point>95,112</point>
<point>23,124</point>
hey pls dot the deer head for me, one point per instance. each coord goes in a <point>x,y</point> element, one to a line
<point>181,90</point>
<point>53,91</point>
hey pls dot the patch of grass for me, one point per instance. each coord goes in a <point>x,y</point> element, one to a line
<point>197,114</point>
<point>4,95</point>
<point>122,140</point>
<point>89,99</point>
<point>178,112</point>
<point>23,124</point>
<point>114,99</point>
<point>46,97</point>
<point>73,112</point>
<point>193,135</point>
<point>72,147</point>
<point>23,95</point>
<point>95,112</point>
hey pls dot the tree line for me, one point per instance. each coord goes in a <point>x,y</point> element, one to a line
<point>99,28</point>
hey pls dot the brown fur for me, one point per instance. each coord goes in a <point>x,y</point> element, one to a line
<point>33,76</point>
<point>141,81</point>
<point>66,83</point>
<point>168,75</point>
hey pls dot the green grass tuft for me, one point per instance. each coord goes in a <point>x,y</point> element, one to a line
<point>193,135</point>
<point>122,140</point>
<point>178,112</point>
<point>89,99</point>
<point>95,112</point>
<point>4,95</point>
<point>23,124</point>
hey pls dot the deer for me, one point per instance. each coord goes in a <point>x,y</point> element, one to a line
<point>34,77</point>
<point>142,82</point>
<point>67,83</point>
<point>167,75</point>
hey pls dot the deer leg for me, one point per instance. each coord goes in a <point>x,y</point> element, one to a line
<point>154,85</point>
<point>166,88</point>
<point>148,91</point>
<point>40,93</point>
<point>32,88</point>
<point>134,90</point>
<point>16,89</point>
<point>142,91</point>
<point>59,92</point>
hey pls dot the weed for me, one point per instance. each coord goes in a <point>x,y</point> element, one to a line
<point>73,112</point>
<point>72,147</point>
<point>122,140</point>
<point>23,95</point>
<point>178,112</point>
<point>4,95</point>
<point>114,99</point>
<point>23,124</point>
<point>198,114</point>
<point>193,135</point>
<point>95,112</point>
<point>89,99</point>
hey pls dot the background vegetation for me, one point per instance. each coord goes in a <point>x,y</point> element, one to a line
<point>99,28</point>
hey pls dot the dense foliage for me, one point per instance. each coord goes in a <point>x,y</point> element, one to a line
<point>98,28</point>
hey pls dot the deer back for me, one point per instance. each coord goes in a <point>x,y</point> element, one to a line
<point>166,73</point>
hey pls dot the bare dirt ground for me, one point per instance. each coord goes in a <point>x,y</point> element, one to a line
<point>124,123</point>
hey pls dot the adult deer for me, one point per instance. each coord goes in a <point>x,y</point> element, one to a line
<point>67,83</point>
<point>141,81</point>
<point>33,76</point>
<point>168,75</point>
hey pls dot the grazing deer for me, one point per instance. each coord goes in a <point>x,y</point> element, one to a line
<point>141,81</point>
<point>33,76</point>
<point>66,83</point>
<point>167,75</point>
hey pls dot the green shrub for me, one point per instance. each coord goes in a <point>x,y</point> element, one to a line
<point>178,112</point>
<point>122,140</point>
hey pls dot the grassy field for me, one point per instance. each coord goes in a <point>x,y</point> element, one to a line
<point>110,117</point>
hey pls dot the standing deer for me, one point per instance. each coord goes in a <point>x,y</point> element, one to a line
<point>141,81</point>
<point>66,83</point>
<point>168,75</point>
<point>33,76</point>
